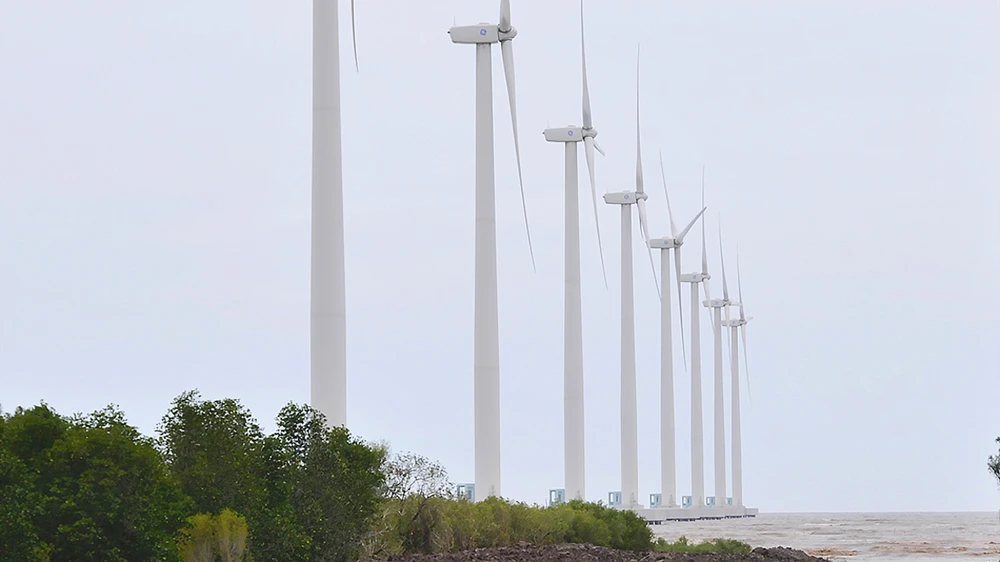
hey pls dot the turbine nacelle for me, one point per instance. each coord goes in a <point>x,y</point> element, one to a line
<point>624,198</point>
<point>716,303</point>
<point>482,33</point>
<point>567,134</point>
<point>734,322</point>
<point>694,277</point>
<point>664,243</point>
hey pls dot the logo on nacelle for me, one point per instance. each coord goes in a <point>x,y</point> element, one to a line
<point>482,32</point>
<point>626,197</point>
<point>570,133</point>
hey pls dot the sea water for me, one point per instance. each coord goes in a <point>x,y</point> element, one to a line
<point>910,537</point>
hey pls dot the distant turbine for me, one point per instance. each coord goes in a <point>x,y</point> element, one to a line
<point>738,328</point>
<point>327,310</point>
<point>487,339</point>
<point>573,320</point>
<point>629,420</point>
<point>697,433</point>
<point>668,461</point>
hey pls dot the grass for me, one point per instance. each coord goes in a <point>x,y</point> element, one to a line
<point>725,546</point>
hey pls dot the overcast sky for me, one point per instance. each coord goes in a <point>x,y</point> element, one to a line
<point>154,213</point>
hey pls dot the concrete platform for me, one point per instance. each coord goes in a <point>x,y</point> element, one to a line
<point>657,516</point>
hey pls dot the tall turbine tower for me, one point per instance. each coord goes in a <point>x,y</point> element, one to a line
<point>629,420</point>
<point>697,432</point>
<point>573,320</point>
<point>487,339</point>
<point>668,461</point>
<point>717,305</point>
<point>327,310</point>
<point>738,329</point>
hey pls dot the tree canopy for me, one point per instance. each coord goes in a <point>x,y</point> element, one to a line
<point>92,488</point>
<point>213,487</point>
<point>86,488</point>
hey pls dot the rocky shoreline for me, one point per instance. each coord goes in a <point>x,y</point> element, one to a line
<point>589,553</point>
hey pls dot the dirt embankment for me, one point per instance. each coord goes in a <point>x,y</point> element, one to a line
<point>589,553</point>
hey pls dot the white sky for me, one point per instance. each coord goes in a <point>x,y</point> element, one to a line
<point>154,208</point>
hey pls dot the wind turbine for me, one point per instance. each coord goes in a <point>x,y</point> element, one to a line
<point>573,318</point>
<point>697,434</point>
<point>738,328</point>
<point>668,462</point>
<point>487,339</point>
<point>717,305</point>
<point>629,421</point>
<point>327,308</point>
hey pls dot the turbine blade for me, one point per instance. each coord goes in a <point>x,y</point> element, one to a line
<point>504,16</point>
<point>588,143</point>
<point>354,39</point>
<point>722,256</point>
<point>704,247</point>
<point>670,212</point>
<point>739,284</point>
<point>680,302</point>
<point>746,364</point>
<point>587,117</point>
<point>508,71</point>
<point>638,143</point>
<point>687,228</point>
<point>599,149</point>
<point>644,227</point>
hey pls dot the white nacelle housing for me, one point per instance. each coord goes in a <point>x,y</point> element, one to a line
<point>694,277</point>
<point>715,303</point>
<point>472,34</point>
<point>623,198</point>
<point>564,134</point>
<point>663,243</point>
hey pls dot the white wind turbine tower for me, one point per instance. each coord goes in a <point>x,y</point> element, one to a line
<point>487,340</point>
<point>573,320</point>
<point>668,461</point>
<point>738,331</point>
<point>629,421</point>
<point>717,305</point>
<point>327,310</point>
<point>697,435</point>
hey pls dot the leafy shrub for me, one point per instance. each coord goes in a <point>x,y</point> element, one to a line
<point>725,546</point>
<point>428,524</point>
<point>211,538</point>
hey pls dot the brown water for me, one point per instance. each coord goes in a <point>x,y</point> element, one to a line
<point>913,537</point>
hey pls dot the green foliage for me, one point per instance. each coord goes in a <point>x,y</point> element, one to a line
<point>597,524</point>
<point>335,482</point>
<point>994,465</point>
<point>18,502</point>
<point>197,542</point>
<point>215,538</point>
<point>307,492</point>
<point>89,488</point>
<point>220,456</point>
<point>723,546</point>
<point>98,490</point>
<point>29,434</point>
<point>419,515</point>
<point>214,448</point>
